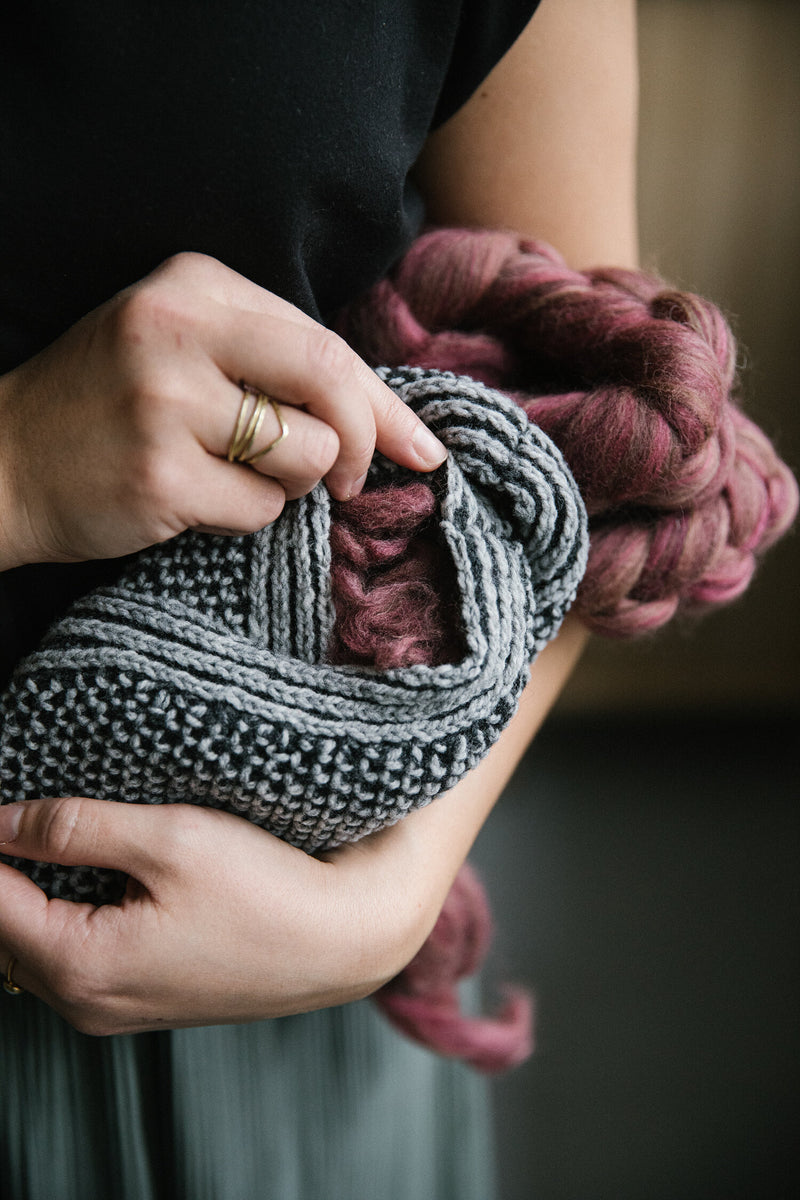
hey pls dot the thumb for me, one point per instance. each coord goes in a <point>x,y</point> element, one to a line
<point>23,921</point>
<point>76,831</point>
<point>45,944</point>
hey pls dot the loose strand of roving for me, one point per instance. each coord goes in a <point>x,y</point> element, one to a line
<point>423,1001</point>
<point>395,599</point>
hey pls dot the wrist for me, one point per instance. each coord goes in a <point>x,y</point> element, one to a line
<point>389,891</point>
<point>14,550</point>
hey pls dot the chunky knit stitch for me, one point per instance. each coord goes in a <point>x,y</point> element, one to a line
<point>202,676</point>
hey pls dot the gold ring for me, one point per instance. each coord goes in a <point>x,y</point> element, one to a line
<point>9,986</point>
<point>284,430</point>
<point>248,424</point>
<point>246,427</point>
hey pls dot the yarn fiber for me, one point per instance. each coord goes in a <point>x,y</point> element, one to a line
<point>636,384</point>
<point>202,675</point>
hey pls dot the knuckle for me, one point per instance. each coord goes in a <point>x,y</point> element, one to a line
<point>186,850</point>
<point>188,263</point>
<point>390,408</point>
<point>358,449</point>
<point>144,310</point>
<point>190,269</point>
<point>273,505</point>
<point>158,308</point>
<point>363,449</point>
<point>320,449</point>
<point>369,380</point>
<point>330,360</point>
<point>154,481</point>
<point>179,828</point>
<point>54,828</point>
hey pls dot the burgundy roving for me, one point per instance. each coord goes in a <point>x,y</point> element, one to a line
<point>635,382</point>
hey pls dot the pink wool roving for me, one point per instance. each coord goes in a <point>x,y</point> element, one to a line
<point>635,382</point>
<point>394,590</point>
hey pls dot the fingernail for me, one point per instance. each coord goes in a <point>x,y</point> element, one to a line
<point>341,489</point>
<point>10,817</point>
<point>337,487</point>
<point>357,487</point>
<point>428,447</point>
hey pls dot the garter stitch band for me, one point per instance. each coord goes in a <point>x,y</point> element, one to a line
<point>202,674</point>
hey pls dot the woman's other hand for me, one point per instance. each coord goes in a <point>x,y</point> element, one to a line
<point>115,437</point>
<point>221,921</point>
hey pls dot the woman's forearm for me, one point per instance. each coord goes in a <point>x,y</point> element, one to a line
<point>546,147</point>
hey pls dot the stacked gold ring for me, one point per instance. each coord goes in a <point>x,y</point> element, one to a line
<point>248,423</point>
<point>9,986</point>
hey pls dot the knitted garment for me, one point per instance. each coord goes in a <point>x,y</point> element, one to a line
<point>200,676</point>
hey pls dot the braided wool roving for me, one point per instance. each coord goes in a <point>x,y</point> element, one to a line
<point>636,384</point>
<point>201,676</point>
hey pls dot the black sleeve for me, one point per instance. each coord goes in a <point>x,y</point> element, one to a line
<point>487,29</point>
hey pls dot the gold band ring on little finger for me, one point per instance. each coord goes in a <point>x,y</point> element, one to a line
<point>248,423</point>
<point>13,989</point>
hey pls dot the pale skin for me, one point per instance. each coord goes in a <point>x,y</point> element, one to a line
<point>223,922</point>
<point>137,402</point>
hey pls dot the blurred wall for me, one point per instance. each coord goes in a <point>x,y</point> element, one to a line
<point>720,215</point>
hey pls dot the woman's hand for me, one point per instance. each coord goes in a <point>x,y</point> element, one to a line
<point>115,437</point>
<point>221,922</point>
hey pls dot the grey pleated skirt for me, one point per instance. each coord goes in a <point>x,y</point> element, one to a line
<point>327,1106</point>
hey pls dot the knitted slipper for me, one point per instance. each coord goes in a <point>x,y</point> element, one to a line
<point>200,677</point>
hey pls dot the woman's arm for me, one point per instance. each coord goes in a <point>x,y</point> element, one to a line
<point>423,853</point>
<point>547,146</point>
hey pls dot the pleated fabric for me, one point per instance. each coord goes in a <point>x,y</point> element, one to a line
<point>332,1105</point>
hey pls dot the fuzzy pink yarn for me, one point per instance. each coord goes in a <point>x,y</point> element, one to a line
<point>394,591</point>
<point>635,382</point>
<point>422,1001</point>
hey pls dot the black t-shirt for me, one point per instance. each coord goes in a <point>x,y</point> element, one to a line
<point>277,137</point>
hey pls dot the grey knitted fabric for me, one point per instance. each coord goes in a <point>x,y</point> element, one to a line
<point>201,676</point>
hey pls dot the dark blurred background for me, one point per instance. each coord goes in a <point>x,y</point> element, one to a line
<point>643,864</point>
